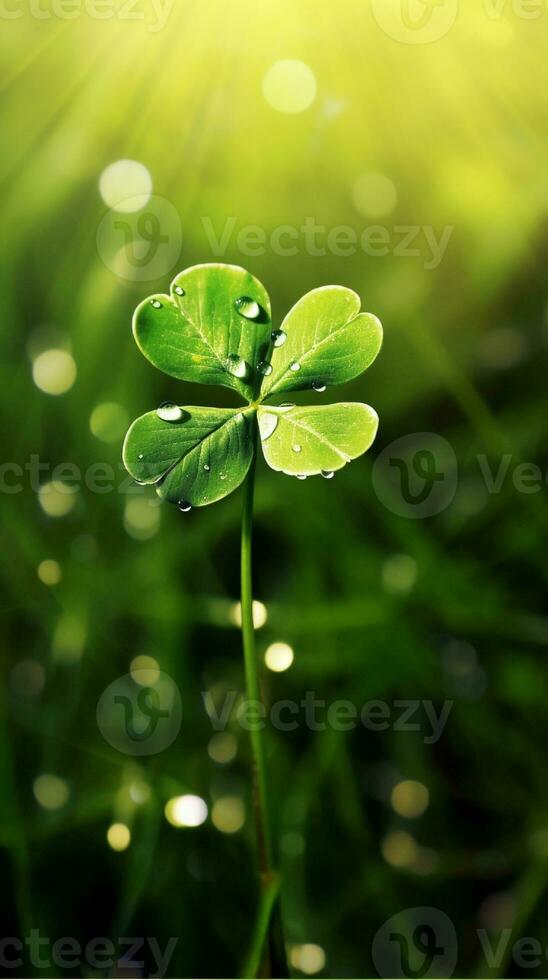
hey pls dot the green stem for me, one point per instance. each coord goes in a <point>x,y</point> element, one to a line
<point>269,895</point>
<point>263,952</point>
<point>253,690</point>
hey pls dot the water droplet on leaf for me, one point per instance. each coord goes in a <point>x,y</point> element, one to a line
<point>236,366</point>
<point>328,474</point>
<point>301,476</point>
<point>184,506</point>
<point>248,307</point>
<point>264,368</point>
<point>318,386</point>
<point>169,412</point>
<point>222,476</point>
<point>141,456</point>
<point>156,304</point>
<point>279,337</point>
<point>207,467</point>
<point>179,290</point>
<point>295,366</point>
<point>297,448</point>
<point>267,424</point>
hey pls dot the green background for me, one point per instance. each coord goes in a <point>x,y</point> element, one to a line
<point>375,605</point>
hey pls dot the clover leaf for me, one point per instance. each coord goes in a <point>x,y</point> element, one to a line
<point>215,327</point>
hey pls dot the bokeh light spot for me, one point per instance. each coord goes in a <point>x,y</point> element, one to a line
<point>108,422</point>
<point>228,814</point>
<point>139,791</point>
<point>375,195</point>
<point>54,371</point>
<point>278,657</point>
<point>186,811</point>
<point>51,792</point>
<point>399,849</point>
<point>309,958</point>
<point>409,798</point>
<point>118,836</point>
<point>399,573</point>
<point>141,518</point>
<point>144,670</point>
<point>222,747</point>
<point>289,86</point>
<point>57,498</point>
<point>125,185</point>
<point>69,639</point>
<point>260,614</point>
<point>49,572</point>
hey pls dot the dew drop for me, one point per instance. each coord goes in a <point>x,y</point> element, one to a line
<point>296,448</point>
<point>184,506</point>
<point>222,476</point>
<point>286,406</point>
<point>279,337</point>
<point>207,467</point>
<point>179,290</point>
<point>301,476</point>
<point>318,386</point>
<point>295,366</point>
<point>247,307</point>
<point>156,304</point>
<point>236,366</point>
<point>169,412</point>
<point>328,474</point>
<point>267,424</point>
<point>264,368</point>
<point>141,456</point>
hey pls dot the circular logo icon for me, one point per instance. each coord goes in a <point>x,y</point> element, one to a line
<point>140,245</point>
<point>416,943</point>
<point>140,717</point>
<point>415,21</point>
<point>416,476</point>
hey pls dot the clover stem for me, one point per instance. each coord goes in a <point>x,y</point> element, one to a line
<point>253,690</point>
<point>262,950</point>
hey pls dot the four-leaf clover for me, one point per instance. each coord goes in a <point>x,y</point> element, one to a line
<point>215,328</point>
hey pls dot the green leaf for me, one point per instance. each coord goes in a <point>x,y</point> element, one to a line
<point>197,460</point>
<point>200,332</point>
<point>303,440</point>
<point>328,342</point>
